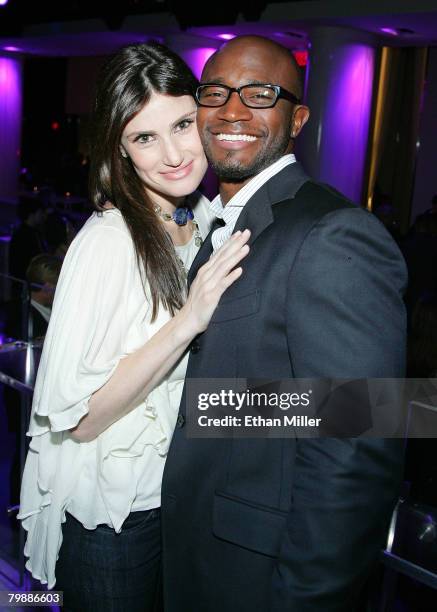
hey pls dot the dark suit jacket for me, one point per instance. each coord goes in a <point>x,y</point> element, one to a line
<point>283,524</point>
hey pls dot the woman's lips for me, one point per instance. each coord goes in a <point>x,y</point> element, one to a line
<point>179,173</point>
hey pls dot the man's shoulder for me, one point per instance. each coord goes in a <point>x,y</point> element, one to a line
<point>313,193</point>
<point>293,184</point>
<point>313,201</point>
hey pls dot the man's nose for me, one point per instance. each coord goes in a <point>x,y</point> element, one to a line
<point>234,109</point>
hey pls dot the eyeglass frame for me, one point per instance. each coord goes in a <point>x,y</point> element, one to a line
<point>280,91</point>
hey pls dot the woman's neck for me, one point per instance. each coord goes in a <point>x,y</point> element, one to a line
<point>167,204</point>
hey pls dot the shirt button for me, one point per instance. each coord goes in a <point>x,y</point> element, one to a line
<point>195,347</point>
<point>180,422</point>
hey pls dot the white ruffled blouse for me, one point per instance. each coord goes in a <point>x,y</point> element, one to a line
<point>100,315</point>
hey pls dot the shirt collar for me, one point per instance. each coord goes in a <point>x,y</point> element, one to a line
<point>45,311</point>
<point>240,199</point>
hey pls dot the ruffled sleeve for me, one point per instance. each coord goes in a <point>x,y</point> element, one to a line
<point>88,327</point>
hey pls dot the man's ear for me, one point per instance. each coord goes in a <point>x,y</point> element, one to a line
<point>300,117</point>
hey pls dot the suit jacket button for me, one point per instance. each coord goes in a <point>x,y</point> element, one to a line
<point>180,422</point>
<point>195,347</point>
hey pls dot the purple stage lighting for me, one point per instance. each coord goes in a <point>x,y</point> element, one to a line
<point>349,97</point>
<point>10,125</point>
<point>339,94</point>
<point>197,58</point>
<point>391,31</point>
<point>226,36</point>
<point>3,2</point>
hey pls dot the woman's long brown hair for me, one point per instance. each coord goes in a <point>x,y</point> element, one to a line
<point>124,87</point>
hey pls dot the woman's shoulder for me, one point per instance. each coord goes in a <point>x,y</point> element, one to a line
<point>108,223</point>
<point>103,232</point>
<point>110,217</point>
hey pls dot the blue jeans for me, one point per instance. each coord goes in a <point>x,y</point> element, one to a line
<point>102,571</point>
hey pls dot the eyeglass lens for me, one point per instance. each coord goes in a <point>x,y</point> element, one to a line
<point>251,95</point>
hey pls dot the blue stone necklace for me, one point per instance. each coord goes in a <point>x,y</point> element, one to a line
<point>181,216</point>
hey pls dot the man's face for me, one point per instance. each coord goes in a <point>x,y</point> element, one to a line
<point>240,141</point>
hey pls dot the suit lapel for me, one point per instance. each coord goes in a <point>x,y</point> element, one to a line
<point>257,213</point>
<point>204,253</point>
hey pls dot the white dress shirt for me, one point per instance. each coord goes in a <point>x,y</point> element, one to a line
<point>233,208</point>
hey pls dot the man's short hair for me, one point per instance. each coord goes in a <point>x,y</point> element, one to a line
<point>43,269</point>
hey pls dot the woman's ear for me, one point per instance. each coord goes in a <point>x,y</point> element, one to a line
<point>123,152</point>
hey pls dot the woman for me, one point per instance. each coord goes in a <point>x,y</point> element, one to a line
<point>112,368</point>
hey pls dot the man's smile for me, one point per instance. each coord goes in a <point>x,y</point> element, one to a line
<point>236,137</point>
<point>232,141</point>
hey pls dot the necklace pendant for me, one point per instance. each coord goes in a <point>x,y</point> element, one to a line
<point>182,215</point>
<point>198,241</point>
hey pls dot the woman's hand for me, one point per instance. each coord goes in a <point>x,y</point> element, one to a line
<point>139,372</point>
<point>212,280</point>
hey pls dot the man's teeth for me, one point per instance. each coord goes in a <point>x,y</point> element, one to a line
<point>236,137</point>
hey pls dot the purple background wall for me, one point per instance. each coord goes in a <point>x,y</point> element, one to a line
<point>10,125</point>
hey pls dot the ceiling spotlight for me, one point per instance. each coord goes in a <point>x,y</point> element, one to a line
<point>398,31</point>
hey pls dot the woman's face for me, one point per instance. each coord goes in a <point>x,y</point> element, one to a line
<point>164,146</point>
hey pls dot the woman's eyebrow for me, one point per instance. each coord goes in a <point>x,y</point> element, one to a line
<point>185,116</point>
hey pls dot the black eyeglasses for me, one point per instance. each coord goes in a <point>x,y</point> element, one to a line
<point>251,95</point>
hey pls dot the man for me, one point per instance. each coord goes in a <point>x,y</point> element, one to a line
<point>42,275</point>
<point>282,525</point>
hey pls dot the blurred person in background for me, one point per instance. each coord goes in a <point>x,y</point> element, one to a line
<point>421,453</point>
<point>42,276</point>
<point>59,233</point>
<point>28,237</point>
<point>421,467</point>
<point>420,252</point>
